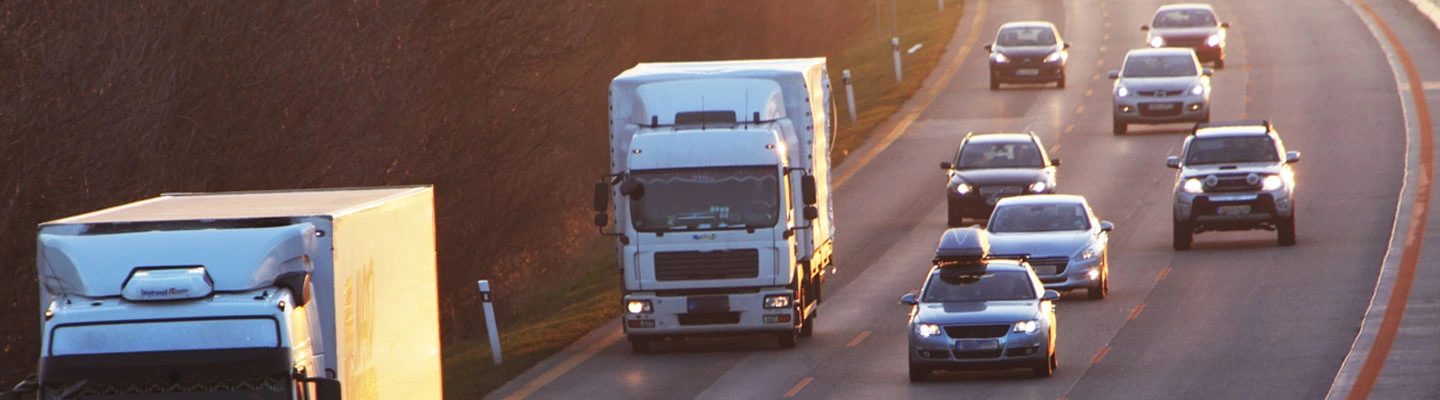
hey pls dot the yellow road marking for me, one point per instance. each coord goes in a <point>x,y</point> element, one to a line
<point>1163,272</point>
<point>798,386</point>
<point>1136,312</point>
<point>1101,355</point>
<point>856,341</point>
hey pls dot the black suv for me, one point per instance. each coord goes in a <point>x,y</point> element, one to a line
<point>1234,176</point>
<point>991,166</point>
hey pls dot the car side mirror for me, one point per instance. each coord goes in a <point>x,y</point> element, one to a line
<point>1114,74</point>
<point>634,190</point>
<point>1054,162</point>
<point>1292,156</point>
<point>807,190</point>
<point>908,299</point>
<point>1050,295</point>
<point>1106,226</point>
<point>1172,162</point>
<point>945,165</point>
<point>989,48</point>
<point>1065,47</point>
<point>1207,71</point>
<point>1224,24</point>
<point>1144,27</point>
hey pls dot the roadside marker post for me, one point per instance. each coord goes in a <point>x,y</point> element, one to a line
<point>490,320</point>
<point>895,45</point>
<point>849,94</point>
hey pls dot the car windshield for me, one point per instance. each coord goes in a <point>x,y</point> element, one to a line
<point>706,199</point>
<point>1192,18</point>
<point>1000,155</point>
<point>1039,218</point>
<point>1159,66</point>
<point>1026,36</point>
<point>949,285</point>
<point>1230,150</point>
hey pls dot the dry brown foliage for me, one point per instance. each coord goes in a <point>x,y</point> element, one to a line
<point>500,104</point>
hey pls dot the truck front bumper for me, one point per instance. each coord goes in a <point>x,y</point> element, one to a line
<point>673,314</point>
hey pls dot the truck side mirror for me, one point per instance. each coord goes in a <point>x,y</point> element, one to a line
<point>807,191</point>
<point>1172,162</point>
<point>635,190</point>
<point>601,219</point>
<point>811,213</point>
<point>602,196</point>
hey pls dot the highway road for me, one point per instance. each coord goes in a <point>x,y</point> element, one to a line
<point>1236,317</point>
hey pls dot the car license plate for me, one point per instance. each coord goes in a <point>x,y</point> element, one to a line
<point>1045,269</point>
<point>977,344</point>
<point>1027,72</point>
<point>1160,106</point>
<point>708,304</point>
<point>1233,210</point>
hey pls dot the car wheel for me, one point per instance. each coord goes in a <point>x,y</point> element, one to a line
<point>788,339</point>
<point>994,84</point>
<point>1220,63</point>
<point>1102,288</point>
<point>1206,118</point>
<point>1119,127</point>
<point>1285,230</point>
<point>1060,84</point>
<point>956,218</point>
<point>918,373</point>
<point>1184,234</point>
<point>639,344</point>
<point>1046,367</point>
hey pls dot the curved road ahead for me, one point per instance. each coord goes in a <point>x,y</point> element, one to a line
<point>1237,317</point>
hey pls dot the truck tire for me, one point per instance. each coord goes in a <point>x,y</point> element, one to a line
<point>1184,235</point>
<point>788,339</point>
<point>1285,231</point>
<point>918,373</point>
<point>639,344</point>
<point>807,329</point>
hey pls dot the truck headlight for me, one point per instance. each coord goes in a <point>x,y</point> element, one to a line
<point>1053,57</point>
<point>1038,187</point>
<point>1272,182</point>
<point>1193,185</point>
<point>1157,42</point>
<point>1213,40</point>
<point>777,301</point>
<point>963,189</point>
<point>639,307</point>
<point>1027,326</point>
<point>927,330</point>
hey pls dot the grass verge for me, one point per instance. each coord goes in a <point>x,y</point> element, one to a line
<point>575,307</point>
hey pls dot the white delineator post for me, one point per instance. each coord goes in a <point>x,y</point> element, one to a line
<point>849,94</point>
<point>490,320</point>
<point>942,5</point>
<point>895,45</point>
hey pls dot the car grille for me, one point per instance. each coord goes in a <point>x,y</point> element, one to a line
<point>723,318</point>
<point>1000,190</point>
<point>1160,93</point>
<point>1038,264</point>
<point>1175,107</point>
<point>1233,183</point>
<point>973,355</point>
<point>1184,42</point>
<point>695,265</point>
<point>976,331</point>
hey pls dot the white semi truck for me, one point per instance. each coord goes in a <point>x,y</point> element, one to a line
<point>303,294</point>
<point>720,180</point>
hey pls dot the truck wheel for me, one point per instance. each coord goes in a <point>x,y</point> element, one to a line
<point>1184,234</point>
<point>1119,127</point>
<point>639,344</point>
<point>918,373</point>
<point>788,339</point>
<point>808,328</point>
<point>1285,230</point>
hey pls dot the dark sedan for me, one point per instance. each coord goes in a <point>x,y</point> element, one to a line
<point>1028,52</point>
<point>991,166</point>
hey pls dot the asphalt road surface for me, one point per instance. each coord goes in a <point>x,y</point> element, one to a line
<point>1236,317</point>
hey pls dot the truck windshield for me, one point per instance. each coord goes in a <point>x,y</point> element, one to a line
<point>697,199</point>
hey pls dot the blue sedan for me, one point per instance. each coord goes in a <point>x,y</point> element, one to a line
<point>1062,239</point>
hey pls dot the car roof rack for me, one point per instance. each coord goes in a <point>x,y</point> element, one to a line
<point>1248,122</point>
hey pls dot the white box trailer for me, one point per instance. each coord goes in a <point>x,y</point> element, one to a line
<point>296,294</point>
<point>720,180</point>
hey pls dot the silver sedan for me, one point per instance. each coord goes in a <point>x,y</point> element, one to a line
<point>1065,243</point>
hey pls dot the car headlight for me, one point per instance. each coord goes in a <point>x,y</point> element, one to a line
<point>1027,326</point>
<point>963,189</point>
<point>1157,42</point>
<point>1197,90</point>
<point>1090,252</point>
<point>1193,185</point>
<point>927,330</point>
<point>1272,182</point>
<point>1053,57</point>
<point>639,307</point>
<point>1038,187</point>
<point>1000,58</point>
<point>1122,92</point>
<point>1213,40</point>
<point>777,301</point>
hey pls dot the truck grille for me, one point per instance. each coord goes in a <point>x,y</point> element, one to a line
<point>1234,183</point>
<point>695,265</point>
<point>720,318</point>
<point>976,331</point>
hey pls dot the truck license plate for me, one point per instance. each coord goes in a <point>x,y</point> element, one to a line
<point>976,344</point>
<point>708,304</point>
<point>1233,210</point>
<point>1161,106</point>
<point>1027,72</point>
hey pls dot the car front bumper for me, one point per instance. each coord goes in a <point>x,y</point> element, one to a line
<point>1016,350</point>
<point>1150,109</point>
<point>1070,274</point>
<point>1233,211</point>
<point>1027,72</point>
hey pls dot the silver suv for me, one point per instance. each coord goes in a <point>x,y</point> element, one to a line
<point>1156,86</point>
<point>1234,176</point>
